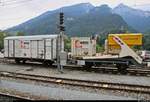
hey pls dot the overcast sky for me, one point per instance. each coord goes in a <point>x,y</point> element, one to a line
<point>14,12</point>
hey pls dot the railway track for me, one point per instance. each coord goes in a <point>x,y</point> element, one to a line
<point>113,70</point>
<point>130,71</point>
<point>80,83</point>
<point>16,97</point>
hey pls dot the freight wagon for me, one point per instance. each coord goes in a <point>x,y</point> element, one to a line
<point>42,48</point>
<point>122,59</point>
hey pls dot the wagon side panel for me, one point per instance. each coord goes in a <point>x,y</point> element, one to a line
<point>34,48</point>
<point>48,49</point>
<point>40,46</point>
<point>5,48</point>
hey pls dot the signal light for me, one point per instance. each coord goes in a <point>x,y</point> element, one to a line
<point>61,18</point>
<point>62,28</point>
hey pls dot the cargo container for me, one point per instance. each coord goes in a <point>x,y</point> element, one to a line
<point>131,39</point>
<point>38,47</point>
<point>83,46</point>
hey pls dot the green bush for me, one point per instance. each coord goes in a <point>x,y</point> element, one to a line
<point>2,36</point>
<point>67,44</point>
<point>99,48</point>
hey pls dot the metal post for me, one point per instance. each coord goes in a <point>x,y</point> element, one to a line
<point>60,43</point>
<point>58,59</point>
<point>59,66</point>
<point>61,49</point>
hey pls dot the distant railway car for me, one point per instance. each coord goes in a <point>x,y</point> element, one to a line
<point>39,47</point>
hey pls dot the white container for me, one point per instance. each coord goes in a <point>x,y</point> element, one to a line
<point>83,46</point>
<point>31,47</point>
<point>148,64</point>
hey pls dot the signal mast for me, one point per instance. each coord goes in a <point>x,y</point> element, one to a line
<point>60,41</point>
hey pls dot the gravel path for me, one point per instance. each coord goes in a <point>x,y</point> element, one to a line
<point>58,93</point>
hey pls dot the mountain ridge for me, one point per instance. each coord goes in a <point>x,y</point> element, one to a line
<point>138,19</point>
<point>103,21</point>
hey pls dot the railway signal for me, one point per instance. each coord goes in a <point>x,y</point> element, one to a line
<point>60,52</point>
<point>61,21</point>
<point>62,28</point>
<point>61,18</point>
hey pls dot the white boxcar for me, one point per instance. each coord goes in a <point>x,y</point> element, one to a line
<point>39,47</point>
<point>83,46</point>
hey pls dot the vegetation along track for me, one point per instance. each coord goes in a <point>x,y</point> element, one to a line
<point>77,82</point>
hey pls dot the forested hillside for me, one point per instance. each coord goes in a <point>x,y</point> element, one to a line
<point>80,20</point>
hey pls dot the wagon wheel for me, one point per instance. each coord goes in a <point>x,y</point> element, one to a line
<point>17,61</point>
<point>48,63</point>
<point>122,68</point>
<point>24,61</point>
<point>45,63</point>
<point>88,66</point>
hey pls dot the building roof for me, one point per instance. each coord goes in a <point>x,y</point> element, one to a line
<point>34,37</point>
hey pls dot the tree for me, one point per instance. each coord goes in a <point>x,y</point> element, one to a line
<point>2,36</point>
<point>146,42</point>
<point>20,34</point>
<point>99,48</point>
<point>67,44</point>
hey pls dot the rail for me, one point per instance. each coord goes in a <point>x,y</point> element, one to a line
<point>111,69</point>
<point>77,82</point>
<point>17,97</point>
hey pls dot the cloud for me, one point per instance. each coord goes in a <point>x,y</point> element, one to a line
<point>16,13</point>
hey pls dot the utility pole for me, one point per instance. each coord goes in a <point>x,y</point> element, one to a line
<point>60,41</point>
